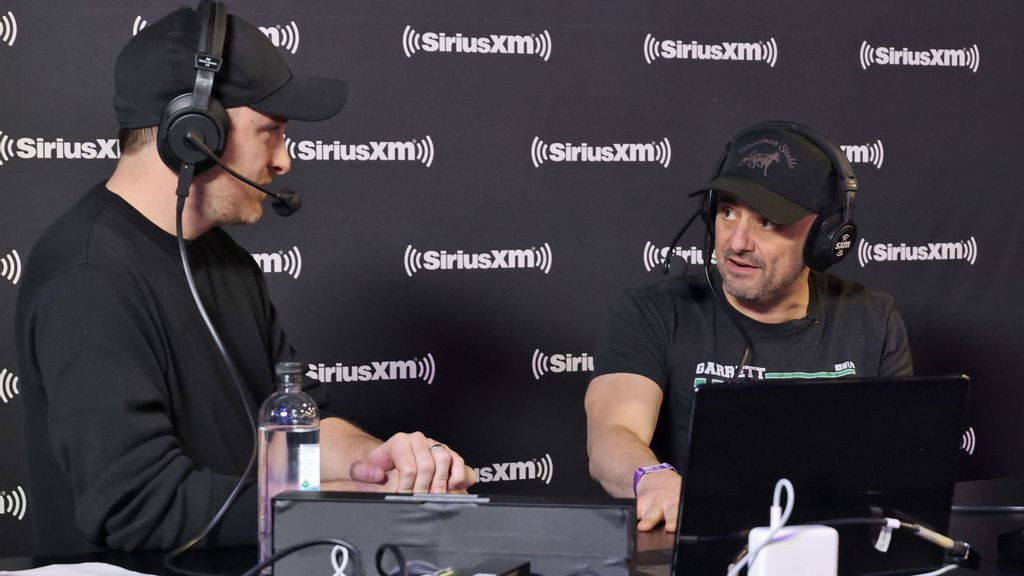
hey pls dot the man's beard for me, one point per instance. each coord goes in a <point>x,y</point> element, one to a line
<point>766,287</point>
<point>232,209</point>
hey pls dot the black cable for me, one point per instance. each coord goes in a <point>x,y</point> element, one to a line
<point>962,553</point>
<point>284,204</point>
<point>354,555</point>
<point>743,534</point>
<point>184,182</point>
<point>702,539</point>
<point>675,240</point>
<point>403,569</point>
<point>748,345</point>
<point>196,140</point>
<point>904,571</point>
<point>865,521</point>
<point>185,175</point>
<point>988,509</point>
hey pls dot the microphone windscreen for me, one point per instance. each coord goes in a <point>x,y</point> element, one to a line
<point>286,203</point>
<point>678,267</point>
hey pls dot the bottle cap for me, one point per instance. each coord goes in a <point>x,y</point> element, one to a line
<point>288,368</point>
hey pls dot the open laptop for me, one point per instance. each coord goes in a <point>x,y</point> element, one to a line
<point>850,446</point>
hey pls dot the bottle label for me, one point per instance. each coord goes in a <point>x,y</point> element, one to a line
<point>309,467</point>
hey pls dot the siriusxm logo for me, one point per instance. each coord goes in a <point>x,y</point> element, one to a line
<point>968,441</point>
<point>10,267</point>
<point>537,469</point>
<point>286,36</point>
<point>13,502</point>
<point>387,371</point>
<point>654,257</point>
<point>966,250</point>
<point>8,386</point>
<point>560,363</point>
<point>762,51</point>
<point>8,28</point>
<point>60,149</point>
<point>415,150</point>
<point>659,152</point>
<point>871,153</point>
<point>539,258</point>
<point>279,262</point>
<point>966,57</point>
<point>459,43</point>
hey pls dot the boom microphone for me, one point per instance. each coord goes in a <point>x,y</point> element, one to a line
<point>285,202</point>
<point>748,345</point>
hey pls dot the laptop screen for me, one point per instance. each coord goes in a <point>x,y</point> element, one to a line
<point>852,447</point>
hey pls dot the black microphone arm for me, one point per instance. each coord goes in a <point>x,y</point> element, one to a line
<point>285,203</point>
<point>675,240</point>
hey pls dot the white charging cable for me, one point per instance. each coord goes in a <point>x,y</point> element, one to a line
<point>339,566</point>
<point>777,519</point>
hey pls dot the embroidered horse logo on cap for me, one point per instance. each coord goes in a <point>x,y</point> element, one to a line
<point>756,160</point>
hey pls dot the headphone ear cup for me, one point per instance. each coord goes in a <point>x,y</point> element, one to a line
<point>828,241</point>
<point>180,118</point>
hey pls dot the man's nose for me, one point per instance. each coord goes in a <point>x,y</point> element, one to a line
<point>740,240</point>
<point>281,161</point>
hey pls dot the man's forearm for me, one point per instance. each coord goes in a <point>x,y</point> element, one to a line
<point>341,444</point>
<point>615,454</point>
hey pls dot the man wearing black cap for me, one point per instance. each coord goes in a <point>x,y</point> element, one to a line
<point>136,435</point>
<point>779,211</point>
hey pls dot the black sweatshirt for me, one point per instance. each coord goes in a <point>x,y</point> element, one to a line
<point>135,432</point>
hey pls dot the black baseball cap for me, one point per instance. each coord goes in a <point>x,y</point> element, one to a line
<point>780,173</point>
<point>158,64</point>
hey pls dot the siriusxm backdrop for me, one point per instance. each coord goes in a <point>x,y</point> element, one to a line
<point>504,169</point>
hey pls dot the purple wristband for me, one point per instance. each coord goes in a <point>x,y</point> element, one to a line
<point>646,470</point>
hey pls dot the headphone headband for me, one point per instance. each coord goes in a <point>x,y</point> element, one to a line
<point>208,58</point>
<point>197,112</point>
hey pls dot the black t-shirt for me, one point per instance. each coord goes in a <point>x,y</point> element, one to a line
<point>676,334</point>
<point>135,432</point>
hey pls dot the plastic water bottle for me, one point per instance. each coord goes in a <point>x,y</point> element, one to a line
<point>289,446</point>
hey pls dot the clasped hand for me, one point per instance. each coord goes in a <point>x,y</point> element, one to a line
<point>408,462</point>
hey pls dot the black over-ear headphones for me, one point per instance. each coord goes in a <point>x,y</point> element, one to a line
<point>197,112</point>
<point>833,232</point>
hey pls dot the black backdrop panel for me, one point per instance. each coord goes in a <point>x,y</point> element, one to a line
<point>502,171</point>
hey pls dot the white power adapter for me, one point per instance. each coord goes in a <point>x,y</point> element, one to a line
<point>795,551</point>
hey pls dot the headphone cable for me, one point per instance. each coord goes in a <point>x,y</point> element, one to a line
<point>748,344</point>
<point>184,182</point>
<point>733,314</point>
